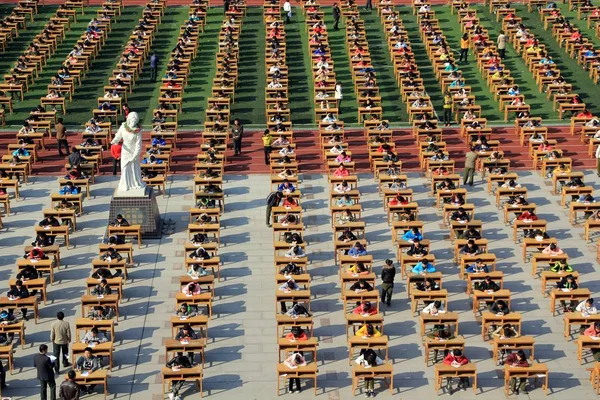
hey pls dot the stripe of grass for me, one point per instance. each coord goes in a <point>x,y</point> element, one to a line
<point>540,106</point>
<point>301,85</point>
<point>84,99</point>
<point>343,73</point>
<point>202,70</point>
<point>569,69</point>
<point>393,109</point>
<point>581,24</point>
<point>18,45</point>
<point>249,104</point>
<point>39,88</point>
<point>432,85</point>
<point>146,93</point>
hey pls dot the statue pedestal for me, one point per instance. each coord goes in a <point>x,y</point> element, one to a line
<point>138,208</point>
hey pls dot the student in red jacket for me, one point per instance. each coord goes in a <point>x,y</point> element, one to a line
<point>594,331</point>
<point>365,309</point>
<point>456,359</point>
<point>518,359</point>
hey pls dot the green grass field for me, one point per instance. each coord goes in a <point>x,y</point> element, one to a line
<point>249,106</point>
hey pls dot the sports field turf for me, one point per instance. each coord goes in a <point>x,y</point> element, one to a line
<point>249,106</point>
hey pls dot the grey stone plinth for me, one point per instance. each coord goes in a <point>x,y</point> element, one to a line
<point>142,210</point>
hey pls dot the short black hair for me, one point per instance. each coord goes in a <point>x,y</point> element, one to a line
<point>60,315</point>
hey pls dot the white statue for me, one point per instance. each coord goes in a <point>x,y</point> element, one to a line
<point>131,135</point>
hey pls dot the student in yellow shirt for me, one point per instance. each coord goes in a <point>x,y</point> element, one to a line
<point>464,47</point>
<point>367,331</point>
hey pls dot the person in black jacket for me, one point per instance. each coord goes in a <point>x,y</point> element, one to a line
<point>568,282</point>
<point>49,221</point>
<point>43,240</point>
<point>179,361</point>
<point>69,389</point>
<point>19,292</point>
<point>336,16</point>
<point>273,200</point>
<point>417,249</point>
<point>45,373</point>
<point>388,273</point>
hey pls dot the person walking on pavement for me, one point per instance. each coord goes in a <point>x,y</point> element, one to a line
<point>273,200</point>
<point>464,47</point>
<point>60,336</point>
<point>153,66</point>
<point>61,137</point>
<point>388,273</point>
<point>501,44</point>
<point>69,389</point>
<point>237,131</point>
<point>337,13</point>
<point>470,160</point>
<point>267,141</point>
<point>287,8</point>
<point>598,161</point>
<point>45,373</point>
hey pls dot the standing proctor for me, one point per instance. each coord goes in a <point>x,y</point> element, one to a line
<point>369,5</point>
<point>287,8</point>
<point>501,44</point>
<point>237,131</point>
<point>470,159</point>
<point>388,273</point>
<point>45,373</point>
<point>60,336</point>
<point>598,161</point>
<point>337,13</point>
<point>464,47</point>
<point>153,66</point>
<point>339,95</point>
<point>267,141</point>
<point>225,6</point>
<point>61,137</point>
<point>273,200</point>
<point>447,108</point>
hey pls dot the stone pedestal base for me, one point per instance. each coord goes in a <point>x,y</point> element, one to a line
<point>138,210</point>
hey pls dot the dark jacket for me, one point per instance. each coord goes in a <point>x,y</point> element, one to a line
<point>23,293</point>
<point>75,159</point>
<point>388,274</point>
<point>273,200</point>
<point>69,391</point>
<point>179,361</point>
<point>45,370</point>
<point>52,222</point>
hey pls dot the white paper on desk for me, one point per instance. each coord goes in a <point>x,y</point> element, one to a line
<point>541,375</point>
<point>85,373</point>
<point>565,290</point>
<point>595,337</point>
<point>442,312</point>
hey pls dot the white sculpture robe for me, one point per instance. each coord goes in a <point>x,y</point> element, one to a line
<point>131,173</point>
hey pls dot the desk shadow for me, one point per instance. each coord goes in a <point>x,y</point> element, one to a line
<point>218,384</point>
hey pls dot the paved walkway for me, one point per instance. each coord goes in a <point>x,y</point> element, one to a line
<point>242,354</point>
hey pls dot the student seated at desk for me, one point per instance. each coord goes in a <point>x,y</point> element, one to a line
<point>342,187</point>
<point>99,313</point>
<point>119,221</point>
<point>518,359</point>
<point>185,335</point>
<point>341,171</point>
<point>284,160</point>
<point>105,273</point>
<point>457,199</point>
<point>286,187</point>
<point>344,201</point>
<point>209,174</point>
<point>186,310</point>
<point>488,285</point>
<point>291,269</point>
<point>477,267</point>
<point>568,283</point>
<point>412,235</point>
<point>7,318</point>
<point>417,249</point>
<point>102,289</point>
<point>297,335</point>
<point>510,184</point>
<point>203,219</point>
<point>35,254</point>
<point>294,361</point>
<point>152,160</point>
<point>110,254</point>
<point>446,184</point>
<point>65,205</point>
<point>199,254</point>
<point>290,202</point>
<point>427,285</point>
<point>286,173</point>
<point>89,363</point>
<point>295,252</point>
<point>288,287</point>
<point>456,359</point>
<point>369,359</point>
<point>393,171</point>
<point>94,336</point>
<point>358,269</point>
<point>205,202</point>
<point>176,363</point>
<point>75,173</point>
<point>27,273</point>
<point>191,289</point>
<point>398,200</point>
<point>460,215</point>
<point>288,219</point>
<point>505,331</point>
<point>423,267</point>
<point>357,250</point>
<point>49,221</point>
<point>367,331</point>
<point>360,287</point>
<point>471,248</point>
<point>346,217</point>
<point>16,292</point>
<point>365,309</point>
<point>397,184</point>
<point>347,236</point>
<point>553,249</point>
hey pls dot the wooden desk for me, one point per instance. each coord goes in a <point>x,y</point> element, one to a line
<point>46,266</point>
<point>86,324</point>
<point>554,277</point>
<point>192,346</point>
<point>384,371</point>
<point>131,230</point>
<point>576,318</point>
<point>285,321</point>
<point>358,343</point>
<point>16,328</point>
<point>28,302</point>
<point>309,371</point>
<point>109,300</point>
<point>580,294</point>
<point>488,296</point>
<point>495,276</point>
<point>444,318</point>
<point>62,230</point>
<point>539,258</point>
<point>443,371</point>
<point>112,264</point>
<point>100,350</point>
<point>351,297</point>
<point>531,225</point>
<point>286,346</point>
<point>356,320</point>
<point>539,245</point>
<point>98,377</point>
<point>199,321</point>
<point>418,295</point>
<point>443,345</point>
<point>202,299</point>
<point>489,318</point>
<point>516,343</point>
<point>194,374</point>
<point>33,284</point>
<point>586,342</point>
<point>115,284</point>
<point>526,372</point>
